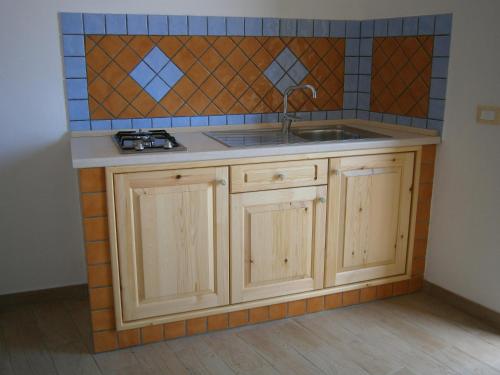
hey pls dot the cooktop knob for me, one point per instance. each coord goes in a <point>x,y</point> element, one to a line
<point>139,146</point>
<point>168,144</point>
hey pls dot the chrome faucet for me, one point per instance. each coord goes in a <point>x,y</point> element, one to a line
<point>286,123</point>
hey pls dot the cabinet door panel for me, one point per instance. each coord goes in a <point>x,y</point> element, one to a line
<point>277,242</point>
<point>172,229</point>
<point>370,203</point>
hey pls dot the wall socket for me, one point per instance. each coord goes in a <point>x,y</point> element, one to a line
<point>488,114</point>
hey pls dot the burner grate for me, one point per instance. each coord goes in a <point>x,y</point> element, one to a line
<point>132,141</point>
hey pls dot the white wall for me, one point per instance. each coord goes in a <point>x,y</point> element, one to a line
<point>40,231</point>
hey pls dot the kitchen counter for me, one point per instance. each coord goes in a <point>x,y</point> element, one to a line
<point>97,149</point>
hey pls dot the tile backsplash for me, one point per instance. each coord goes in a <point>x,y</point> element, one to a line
<point>138,71</point>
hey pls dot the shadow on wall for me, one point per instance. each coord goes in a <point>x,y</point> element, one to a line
<point>46,188</point>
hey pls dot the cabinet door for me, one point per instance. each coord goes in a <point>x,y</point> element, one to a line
<point>277,242</point>
<point>172,231</point>
<point>369,217</point>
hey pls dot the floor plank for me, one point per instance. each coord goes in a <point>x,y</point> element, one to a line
<point>408,335</point>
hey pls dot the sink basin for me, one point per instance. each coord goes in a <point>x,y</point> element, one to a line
<point>263,137</point>
<point>335,133</point>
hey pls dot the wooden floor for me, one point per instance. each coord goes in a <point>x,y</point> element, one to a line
<point>414,334</point>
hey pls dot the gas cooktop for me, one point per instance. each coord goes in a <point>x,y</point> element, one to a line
<point>137,141</point>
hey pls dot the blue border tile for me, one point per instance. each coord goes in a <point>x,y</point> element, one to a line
<point>410,25</point>
<point>351,65</point>
<point>270,117</point>
<point>353,29</point>
<point>75,67</point>
<point>100,124</point>
<point>395,27</point>
<point>71,23</point>
<point>337,29</point>
<point>216,25</point>
<point>141,123</point>
<point>350,100</point>
<point>350,83</point>
<point>349,114</point>
<point>253,26</point>
<point>217,120</point>
<point>436,109</point>
<point>380,27</point>
<point>364,83</point>
<point>362,115</point>
<point>367,28</point>
<point>438,88</point>
<point>288,27</point>
<point>181,122</point>
<point>334,115</point>
<point>235,26</point>
<point>78,110</point>
<point>253,118</point>
<point>77,126</point>
<point>116,24</point>
<point>435,125</point>
<point>425,25</point>
<point>304,116</point>
<point>137,24</point>
<point>271,27</point>
<point>76,88</point>
<point>440,67</point>
<point>365,65</point>
<point>443,24</point>
<point>363,101</point>
<point>73,45</point>
<point>404,120</point>
<point>318,115</point>
<point>376,116</point>
<point>235,119</point>
<point>158,25</point>
<point>199,121</point>
<point>321,28</point>
<point>389,118</point>
<point>121,124</point>
<point>305,27</point>
<point>418,122</point>
<point>94,23</point>
<point>162,122</point>
<point>352,46</point>
<point>177,25</point>
<point>441,46</point>
<point>366,47</point>
<point>197,25</point>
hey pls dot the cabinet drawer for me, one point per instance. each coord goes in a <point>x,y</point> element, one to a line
<point>266,176</point>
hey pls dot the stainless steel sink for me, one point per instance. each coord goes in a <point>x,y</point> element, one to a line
<point>334,133</point>
<point>263,137</point>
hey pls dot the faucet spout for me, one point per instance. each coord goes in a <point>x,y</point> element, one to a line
<point>287,118</point>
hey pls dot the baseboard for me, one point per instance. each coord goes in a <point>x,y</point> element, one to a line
<point>464,304</point>
<point>45,295</point>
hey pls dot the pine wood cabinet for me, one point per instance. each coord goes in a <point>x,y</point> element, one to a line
<point>277,242</point>
<point>368,217</point>
<point>172,234</point>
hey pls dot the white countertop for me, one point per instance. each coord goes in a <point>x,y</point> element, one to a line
<point>98,149</point>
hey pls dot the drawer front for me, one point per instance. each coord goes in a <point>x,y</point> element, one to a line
<point>267,176</point>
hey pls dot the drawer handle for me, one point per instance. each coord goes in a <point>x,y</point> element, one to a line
<point>281,176</point>
<point>322,199</point>
<point>222,182</point>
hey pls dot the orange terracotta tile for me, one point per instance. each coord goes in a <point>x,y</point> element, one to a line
<point>97,59</point>
<point>101,298</point>
<point>128,338</point>
<point>420,248</point>
<point>309,59</point>
<point>99,275</point>
<point>197,45</point>
<point>315,304</point>
<point>418,266</point>
<point>129,88</point>
<point>93,204</point>
<point>299,45</point>
<point>274,46</point>
<point>196,326</point>
<point>218,322</point>
<point>115,104</point>
<point>92,180</point>
<point>368,294</point>
<point>416,284</point>
<point>262,59</point>
<point>198,74</point>
<point>237,86</point>
<point>384,291</point>
<point>99,89</point>
<point>278,311</point>
<point>401,287</point>
<point>428,154</point>
<point>144,103</point>
<point>130,112</point>
<point>350,297</point>
<point>184,59</point>
<point>332,301</point>
<point>249,100</point>
<point>103,320</point>
<point>113,74</point>
<point>105,341</point>
<point>172,102</point>
<point>224,100</point>
<point>250,46</point>
<point>186,110</point>
<point>97,252</point>
<point>112,44</point>
<point>185,88</point>
<point>238,318</point>
<point>224,46</point>
<point>158,111</point>
<point>95,228</point>
<point>169,45</point>
<point>211,59</point>
<point>175,329</point>
<point>141,44</point>
<point>249,72</point>
<point>211,87</point>
<point>212,109</point>
<point>152,334</point>
<point>224,74</point>
<point>259,314</point>
<point>199,101</point>
<point>99,113</point>
<point>296,308</point>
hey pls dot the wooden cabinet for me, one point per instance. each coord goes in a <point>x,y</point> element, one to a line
<point>369,216</point>
<point>277,242</point>
<point>172,240</point>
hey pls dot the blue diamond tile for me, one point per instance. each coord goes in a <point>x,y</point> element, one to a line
<point>156,59</point>
<point>284,82</point>
<point>274,72</point>
<point>157,88</point>
<point>171,74</point>
<point>142,73</point>
<point>298,72</point>
<point>286,59</point>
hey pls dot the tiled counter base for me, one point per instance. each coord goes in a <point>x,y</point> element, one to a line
<point>107,338</point>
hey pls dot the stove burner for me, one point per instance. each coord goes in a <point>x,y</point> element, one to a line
<point>146,141</point>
